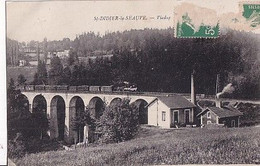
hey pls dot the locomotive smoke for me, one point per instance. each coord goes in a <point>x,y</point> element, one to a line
<point>227,89</point>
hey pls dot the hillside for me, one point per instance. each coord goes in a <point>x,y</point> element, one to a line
<point>159,146</point>
<point>155,56</point>
<point>14,72</point>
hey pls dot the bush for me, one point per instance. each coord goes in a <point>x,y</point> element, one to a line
<point>16,147</point>
<point>251,114</point>
<point>118,123</point>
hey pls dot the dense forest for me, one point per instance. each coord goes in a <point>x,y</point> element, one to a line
<point>156,61</point>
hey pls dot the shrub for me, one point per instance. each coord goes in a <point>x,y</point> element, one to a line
<point>16,147</point>
<point>118,122</point>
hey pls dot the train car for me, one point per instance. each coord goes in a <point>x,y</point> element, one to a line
<point>50,87</point>
<point>83,88</point>
<point>73,88</point>
<point>39,87</point>
<point>29,87</point>
<point>20,87</point>
<point>62,87</point>
<point>94,88</point>
<point>106,88</point>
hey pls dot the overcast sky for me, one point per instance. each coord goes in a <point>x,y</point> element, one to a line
<point>55,20</point>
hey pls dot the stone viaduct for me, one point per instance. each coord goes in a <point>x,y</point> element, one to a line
<point>61,106</point>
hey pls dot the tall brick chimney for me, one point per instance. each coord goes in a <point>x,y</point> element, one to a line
<point>193,94</point>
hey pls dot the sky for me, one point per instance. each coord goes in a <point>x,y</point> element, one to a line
<point>59,19</point>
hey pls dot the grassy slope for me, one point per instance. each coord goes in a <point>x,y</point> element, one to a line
<point>157,146</point>
<point>28,72</point>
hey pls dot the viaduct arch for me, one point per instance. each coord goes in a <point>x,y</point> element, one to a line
<point>57,118</point>
<point>76,109</point>
<point>143,110</point>
<point>39,114</point>
<point>39,104</point>
<point>96,107</point>
<point>115,101</point>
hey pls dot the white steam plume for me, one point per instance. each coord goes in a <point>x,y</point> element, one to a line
<point>227,89</point>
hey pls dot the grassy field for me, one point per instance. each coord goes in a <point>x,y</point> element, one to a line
<point>158,146</point>
<point>14,72</point>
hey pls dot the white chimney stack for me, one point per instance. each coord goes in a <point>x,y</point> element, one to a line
<point>193,94</point>
<point>218,102</point>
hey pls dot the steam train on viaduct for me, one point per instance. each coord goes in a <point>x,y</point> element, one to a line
<point>96,89</point>
<point>82,88</point>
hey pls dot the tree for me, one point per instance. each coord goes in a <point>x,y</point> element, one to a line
<point>73,57</point>
<point>77,124</point>
<point>19,124</point>
<point>40,77</point>
<point>11,93</point>
<point>118,123</point>
<point>18,115</point>
<point>42,72</point>
<point>16,147</point>
<point>12,52</point>
<point>56,71</point>
<point>45,51</point>
<point>21,79</point>
<point>66,76</point>
<point>40,120</point>
<point>74,80</point>
<point>78,121</point>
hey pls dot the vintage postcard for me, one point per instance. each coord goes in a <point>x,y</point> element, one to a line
<point>131,82</point>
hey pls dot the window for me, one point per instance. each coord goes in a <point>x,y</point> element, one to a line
<point>208,115</point>
<point>187,115</point>
<point>163,116</point>
<point>233,123</point>
<point>208,122</point>
<point>175,118</point>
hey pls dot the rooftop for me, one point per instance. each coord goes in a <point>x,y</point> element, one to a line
<point>223,112</point>
<point>175,101</point>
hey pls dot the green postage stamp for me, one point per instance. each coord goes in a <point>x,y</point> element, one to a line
<point>192,21</point>
<point>252,13</point>
<point>186,28</point>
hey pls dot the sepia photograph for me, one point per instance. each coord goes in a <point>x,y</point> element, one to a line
<point>132,82</point>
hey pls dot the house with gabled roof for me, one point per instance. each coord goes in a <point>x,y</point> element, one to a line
<point>171,111</point>
<point>219,115</point>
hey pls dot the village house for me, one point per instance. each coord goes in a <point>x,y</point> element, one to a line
<point>22,62</point>
<point>171,111</point>
<point>227,116</point>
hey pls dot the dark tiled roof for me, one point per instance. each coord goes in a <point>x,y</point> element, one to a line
<point>176,101</point>
<point>225,111</point>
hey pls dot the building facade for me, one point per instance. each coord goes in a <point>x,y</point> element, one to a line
<point>223,116</point>
<point>171,111</point>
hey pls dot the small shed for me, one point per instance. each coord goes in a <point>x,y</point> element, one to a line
<point>226,116</point>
